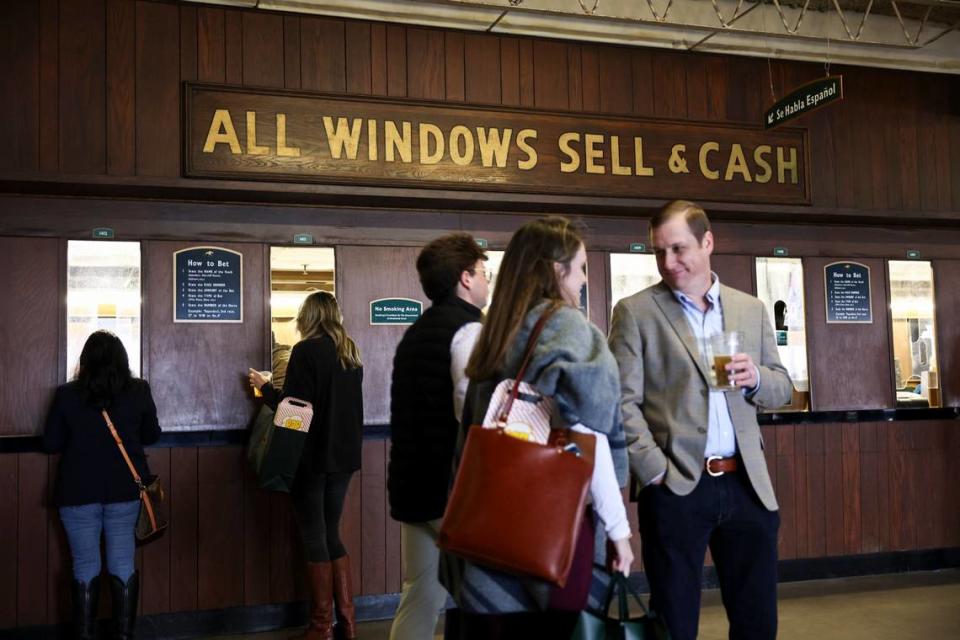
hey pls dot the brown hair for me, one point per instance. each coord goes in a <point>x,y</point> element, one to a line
<point>320,314</point>
<point>441,262</point>
<point>693,213</point>
<point>527,276</point>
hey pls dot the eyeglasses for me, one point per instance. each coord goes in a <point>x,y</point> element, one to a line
<point>486,274</point>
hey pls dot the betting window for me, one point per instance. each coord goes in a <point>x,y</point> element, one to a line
<point>916,374</point>
<point>631,272</point>
<point>295,273</point>
<point>103,292</point>
<point>780,287</point>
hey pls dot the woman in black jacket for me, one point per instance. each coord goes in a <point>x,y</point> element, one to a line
<point>94,490</point>
<point>325,370</point>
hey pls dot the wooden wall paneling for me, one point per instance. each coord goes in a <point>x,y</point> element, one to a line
<point>852,512</point>
<point>941,152</point>
<point>954,100</point>
<point>158,90</point>
<point>931,463</point>
<point>392,556</point>
<point>351,525</point>
<point>615,80</point>
<point>737,271</point>
<point>219,547</point>
<point>292,53</point>
<point>869,489</point>
<point>641,72</point>
<point>527,78</point>
<point>875,152</point>
<point>669,85</point>
<point>20,84</point>
<point>184,524</point>
<point>233,46</point>
<point>768,441</point>
<point>598,288</point>
<point>887,110</point>
<point>855,352</point>
<point>842,114</point>
<point>155,583</point>
<point>32,319</point>
<point>426,69</point>
<point>59,564</point>
<point>718,87</point>
<point>823,176</point>
<point>903,490</point>
<point>861,129</point>
<point>833,483</point>
<point>9,533</point>
<point>378,59</point>
<point>551,75</point>
<point>481,55</point>
<point>373,490</point>
<point>801,497</point>
<point>786,491</point>
<point>575,76</point>
<point>816,524</point>
<point>509,72</point>
<point>121,82</point>
<point>32,528</point>
<point>883,485</point>
<point>365,274</point>
<point>188,43</point>
<point>256,541</point>
<point>262,50</point>
<point>946,282</point>
<point>322,47</point>
<point>926,150</point>
<point>396,61</point>
<point>590,77</point>
<point>82,79</point>
<point>697,88</point>
<point>454,66</point>
<point>286,551</point>
<point>908,149</point>
<point>213,357</point>
<point>358,58</point>
<point>49,102</point>
<point>211,45</point>
<point>952,488</point>
<point>750,83</point>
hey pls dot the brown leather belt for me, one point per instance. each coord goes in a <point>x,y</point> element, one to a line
<point>717,466</point>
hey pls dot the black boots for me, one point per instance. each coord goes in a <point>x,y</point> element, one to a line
<point>86,601</point>
<point>124,596</point>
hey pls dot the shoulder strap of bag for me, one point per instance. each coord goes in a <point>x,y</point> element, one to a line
<point>145,500</point>
<point>528,354</point>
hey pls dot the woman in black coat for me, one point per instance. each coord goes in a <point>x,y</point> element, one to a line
<point>325,370</point>
<point>95,491</point>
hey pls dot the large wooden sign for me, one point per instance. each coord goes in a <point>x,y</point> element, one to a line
<point>299,137</point>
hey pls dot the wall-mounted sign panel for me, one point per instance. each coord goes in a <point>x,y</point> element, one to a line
<point>207,285</point>
<point>847,291</point>
<point>804,99</point>
<point>395,311</point>
<point>241,134</point>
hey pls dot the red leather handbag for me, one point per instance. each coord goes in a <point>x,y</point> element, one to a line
<point>516,505</point>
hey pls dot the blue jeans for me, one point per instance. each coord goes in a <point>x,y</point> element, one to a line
<point>85,522</point>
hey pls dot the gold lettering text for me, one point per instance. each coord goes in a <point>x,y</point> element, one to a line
<point>574,163</point>
<point>494,148</point>
<point>396,143</point>
<point>282,148</point>
<point>707,172</point>
<point>457,134</point>
<point>783,165</point>
<point>591,153</point>
<point>228,135</point>
<point>341,137</point>
<point>615,167</point>
<point>737,164</point>
<point>531,161</point>
<point>639,169</point>
<point>428,131</point>
<point>758,157</point>
<point>252,147</point>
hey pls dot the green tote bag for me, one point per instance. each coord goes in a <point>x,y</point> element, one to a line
<point>598,625</point>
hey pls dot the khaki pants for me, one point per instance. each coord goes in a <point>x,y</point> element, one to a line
<point>423,597</point>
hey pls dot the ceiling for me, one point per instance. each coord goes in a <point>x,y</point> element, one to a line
<point>924,37</point>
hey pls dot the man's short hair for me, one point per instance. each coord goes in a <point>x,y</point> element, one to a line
<point>693,213</point>
<point>441,262</point>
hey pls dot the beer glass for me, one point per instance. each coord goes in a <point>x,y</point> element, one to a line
<point>723,345</point>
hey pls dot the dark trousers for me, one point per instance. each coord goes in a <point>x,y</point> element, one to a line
<point>317,506</point>
<point>725,514</point>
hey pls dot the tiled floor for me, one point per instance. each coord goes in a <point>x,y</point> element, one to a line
<point>917,606</point>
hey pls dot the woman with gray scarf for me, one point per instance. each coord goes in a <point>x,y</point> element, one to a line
<point>545,265</point>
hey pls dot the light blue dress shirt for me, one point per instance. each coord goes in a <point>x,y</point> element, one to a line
<point>721,436</point>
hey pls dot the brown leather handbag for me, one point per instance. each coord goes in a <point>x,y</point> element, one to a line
<point>516,505</point>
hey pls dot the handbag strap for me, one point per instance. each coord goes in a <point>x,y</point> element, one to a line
<point>144,498</point>
<point>527,356</point>
<point>621,587</point>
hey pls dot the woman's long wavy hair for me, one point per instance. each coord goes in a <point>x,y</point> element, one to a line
<point>104,369</point>
<point>320,314</point>
<point>527,277</point>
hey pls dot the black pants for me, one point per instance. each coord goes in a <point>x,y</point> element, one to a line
<point>725,514</point>
<point>317,506</point>
<point>550,625</point>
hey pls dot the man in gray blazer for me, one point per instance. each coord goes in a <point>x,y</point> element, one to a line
<point>696,452</point>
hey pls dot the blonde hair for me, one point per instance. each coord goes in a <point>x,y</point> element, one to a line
<point>320,315</point>
<point>527,277</point>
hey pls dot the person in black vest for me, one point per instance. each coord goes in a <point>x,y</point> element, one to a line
<point>325,370</point>
<point>424,418</point>
<point>95,491</point>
